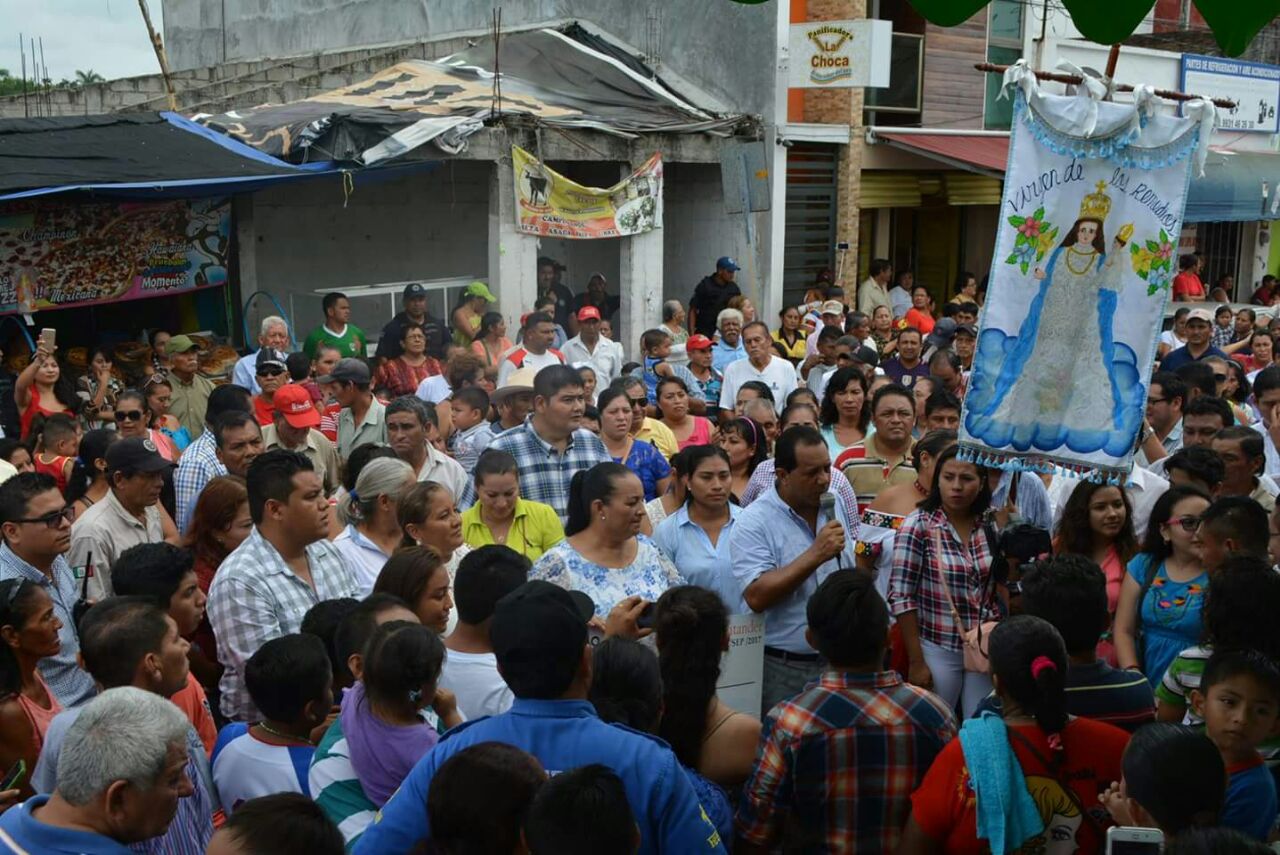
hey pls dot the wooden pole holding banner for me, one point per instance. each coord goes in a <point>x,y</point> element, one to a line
<point>1059,77</point>
<point>158,46</point>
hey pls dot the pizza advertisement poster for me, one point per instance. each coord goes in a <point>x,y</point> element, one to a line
<point>56,254</point>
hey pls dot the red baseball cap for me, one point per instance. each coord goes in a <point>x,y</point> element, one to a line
<point>695,342</point>
<point>588,313</point>
<point>294,403</point>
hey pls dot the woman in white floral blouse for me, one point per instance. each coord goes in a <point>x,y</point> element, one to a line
<point>604,555</point>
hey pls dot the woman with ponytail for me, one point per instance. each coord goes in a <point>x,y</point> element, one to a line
<point>692,630</point>
<point>29,630</point>
<point>1029,779</point>
<point>627,688</point>
<point>371,529</point>
<point>88,482</point>
<point>603,554</point>
<point>696,537</point>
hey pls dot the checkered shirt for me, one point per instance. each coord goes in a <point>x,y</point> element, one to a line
<point>926,542</point>
<point>198,466</point>
<point>545,471</point>
<point>839,761</point>
<point>255,597</point>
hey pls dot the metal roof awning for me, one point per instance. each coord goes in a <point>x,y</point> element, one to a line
<point>985,153</point>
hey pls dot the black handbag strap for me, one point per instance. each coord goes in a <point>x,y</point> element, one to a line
<point>1054,769</point>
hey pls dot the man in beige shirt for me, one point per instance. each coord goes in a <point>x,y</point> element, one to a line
<point>294,428</point>
<point>875,291</point>
<point>129,515</point>
<point>191,392</point>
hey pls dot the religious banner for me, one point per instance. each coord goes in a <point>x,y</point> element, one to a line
<point>551,205</point>
<point>1085,253</point>
<point>57,254</point>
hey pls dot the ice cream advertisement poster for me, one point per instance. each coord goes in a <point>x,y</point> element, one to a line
<point>55,254</point>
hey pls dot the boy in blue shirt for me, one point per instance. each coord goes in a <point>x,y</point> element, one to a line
<point>1239,700</point>
<point>539,636</point>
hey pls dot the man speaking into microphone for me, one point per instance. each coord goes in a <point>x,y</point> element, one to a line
<point>783,545</point>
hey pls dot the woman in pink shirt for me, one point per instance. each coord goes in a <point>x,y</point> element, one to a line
<point>1097,522</point>
<point>673,402</point>
<point>29,629</point>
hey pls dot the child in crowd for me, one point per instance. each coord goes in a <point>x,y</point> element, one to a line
<point>1173,779</point>
<point>479,798</point>
<point>166,575</point>
<point>322,620</point>
<point>1070,592</point>
<point>1239,700</point>
<point>1240,608</point>
<point>471,435</point>
<point>382,713</point>
<point>582,812</point>
<point>56,448</point>
<point>657,347</point>
<point>281,824</point>
<point>291,683</point>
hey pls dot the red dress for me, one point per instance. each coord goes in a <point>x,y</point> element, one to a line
<point>34,409</point>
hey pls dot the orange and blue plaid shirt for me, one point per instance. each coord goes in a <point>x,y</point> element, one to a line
<point>839,761</point>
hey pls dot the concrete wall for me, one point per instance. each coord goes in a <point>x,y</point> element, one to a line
<point>717,45</point>
<point>428,226</point>
<point>698,231</point>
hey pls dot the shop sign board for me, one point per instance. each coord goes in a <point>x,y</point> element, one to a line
<point>839,54</point>
<point>1254,86</point>
<point>56,254</point>
<point>742,669</point>
<point>550,205</point>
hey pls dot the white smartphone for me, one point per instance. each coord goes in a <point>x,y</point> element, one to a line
<point>1134,841</point>
<point>49,336</point>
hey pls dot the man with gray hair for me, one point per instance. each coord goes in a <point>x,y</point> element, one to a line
<point>121,774</point>
<point>272,333</point>
<point>413,427</point>
<point>130,642</point>
<point>728,347</point>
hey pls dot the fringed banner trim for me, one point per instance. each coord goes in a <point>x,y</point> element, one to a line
<point>1042,464</point>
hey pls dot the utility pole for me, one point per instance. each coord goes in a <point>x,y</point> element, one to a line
<point>158,45</point>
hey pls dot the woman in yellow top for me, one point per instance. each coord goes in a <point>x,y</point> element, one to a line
<point>789,337</point>
<point>500,516</point>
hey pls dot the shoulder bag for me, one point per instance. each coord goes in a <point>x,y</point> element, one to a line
<point>975,654</point>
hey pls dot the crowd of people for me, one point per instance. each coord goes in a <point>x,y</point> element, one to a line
<point>474,594</point>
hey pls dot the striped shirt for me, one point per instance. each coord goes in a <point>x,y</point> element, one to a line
<point>1102,693</point>
<point>839,761</point>
<point>870,470</point>
<point>255,597</point>
<point>336,788</point>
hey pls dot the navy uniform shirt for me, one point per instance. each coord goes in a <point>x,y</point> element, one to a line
<point>563,735</point>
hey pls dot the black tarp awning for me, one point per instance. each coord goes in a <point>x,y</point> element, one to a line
<point>152,154</point>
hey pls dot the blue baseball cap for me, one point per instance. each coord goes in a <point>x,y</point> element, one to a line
<point>727,263</point>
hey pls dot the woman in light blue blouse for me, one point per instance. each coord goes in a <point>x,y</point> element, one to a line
<point>696,537</point>
<point>603,554</point>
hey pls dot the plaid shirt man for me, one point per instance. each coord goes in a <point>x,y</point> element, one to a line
<point>545,471</point>
<point>198,466</point>
<point>927,543</point>
<point>256,597</point>
<point>70,684</point>
<point>839,761</point>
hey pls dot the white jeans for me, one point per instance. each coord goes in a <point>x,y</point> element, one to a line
<point>951,682</point>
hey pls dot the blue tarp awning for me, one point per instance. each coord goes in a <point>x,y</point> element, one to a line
<point>1236,187</point>
<point>143,156</point>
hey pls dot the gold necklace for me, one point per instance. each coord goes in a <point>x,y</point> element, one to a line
<point>1089,256</point>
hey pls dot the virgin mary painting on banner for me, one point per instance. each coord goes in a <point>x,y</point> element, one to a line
<point>1093,202</point>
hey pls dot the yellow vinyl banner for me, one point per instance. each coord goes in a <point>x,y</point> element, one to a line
<point>551,205</point>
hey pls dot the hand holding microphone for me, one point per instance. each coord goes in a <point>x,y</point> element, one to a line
<point>829,541</point>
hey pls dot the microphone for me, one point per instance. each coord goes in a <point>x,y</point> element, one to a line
<point>827,505</point>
